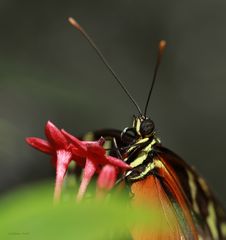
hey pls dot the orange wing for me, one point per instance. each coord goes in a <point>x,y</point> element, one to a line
<point>186,206</point>
<point>150,192</point>
<point>207,213</point>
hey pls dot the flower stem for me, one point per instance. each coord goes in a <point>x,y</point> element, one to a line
<point>58,188</point>
<point>88,172</point>
<point>63,160</point>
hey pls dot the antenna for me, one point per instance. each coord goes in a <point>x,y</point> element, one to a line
<point>162,46</point>
<point>75,24</point>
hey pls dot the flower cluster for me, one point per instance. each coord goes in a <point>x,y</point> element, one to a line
<point>90,155</point>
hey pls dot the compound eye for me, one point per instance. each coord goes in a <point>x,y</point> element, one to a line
<point>147,127</point>
<point>129,135</point>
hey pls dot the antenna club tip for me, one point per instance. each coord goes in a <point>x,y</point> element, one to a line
<point>162,45</point>
<point>74,23</point>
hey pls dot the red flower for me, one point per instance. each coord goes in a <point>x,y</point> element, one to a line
<point>90,155</point>
<point>96,162</point>
<point>59,148</point>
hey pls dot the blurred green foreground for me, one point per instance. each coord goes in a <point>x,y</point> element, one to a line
<point>29,213</point>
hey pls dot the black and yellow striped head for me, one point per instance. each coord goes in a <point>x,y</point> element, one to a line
<point>143,127</point>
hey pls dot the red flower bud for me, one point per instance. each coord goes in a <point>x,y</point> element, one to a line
<point>107,177</point>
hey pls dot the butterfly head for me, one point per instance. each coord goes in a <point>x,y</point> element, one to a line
<point>143,127</point>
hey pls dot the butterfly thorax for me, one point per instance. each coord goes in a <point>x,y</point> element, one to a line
<point>141,140</point>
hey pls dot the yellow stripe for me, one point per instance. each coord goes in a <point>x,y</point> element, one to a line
<point>143,154</point>
<point>212,220</point>
<point>158,164</point>
<point>139,160</point>
<point>143,140</point>
<point>149,147</point>
<point>137,125</point>
<point>223,229</point>
<point>193,189</point>
<point>149,167</point>
<point>204,186</point>
<point>107,145</point>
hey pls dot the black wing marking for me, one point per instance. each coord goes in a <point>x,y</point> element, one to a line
<point>208,212</point>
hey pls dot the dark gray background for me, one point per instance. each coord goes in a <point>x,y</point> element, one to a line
<point>48,71</point>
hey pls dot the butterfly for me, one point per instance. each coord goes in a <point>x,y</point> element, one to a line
<point>158,177</point>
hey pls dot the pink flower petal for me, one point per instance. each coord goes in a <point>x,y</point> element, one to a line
<point>40,144</point>
<point>88,172</point>
<point>96,148</point>
<point>118,162</point>
<point>107,177</point>
<point>55,136</point>
<point>78,152</point>
<point>75,141</point>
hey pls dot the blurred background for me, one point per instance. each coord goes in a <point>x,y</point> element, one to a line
<point>49,72</point>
